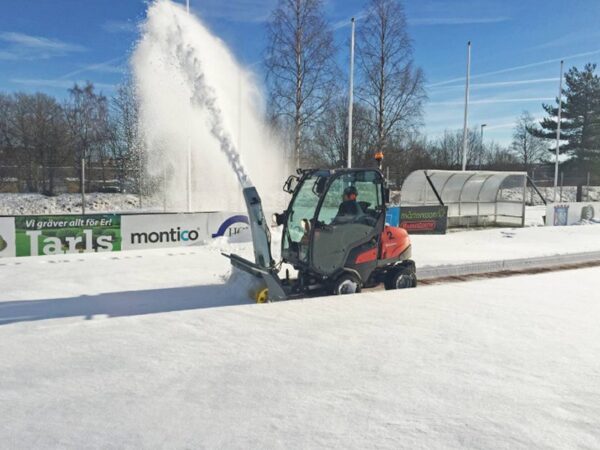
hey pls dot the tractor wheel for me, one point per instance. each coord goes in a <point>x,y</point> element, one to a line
<point>401,278</point>
<point>346,284</point>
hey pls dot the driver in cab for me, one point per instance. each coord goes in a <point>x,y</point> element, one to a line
<point>349,208</point>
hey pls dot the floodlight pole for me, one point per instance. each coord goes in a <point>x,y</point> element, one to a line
<point>558,131</point>
<point>466,121</point>
<point>351,95</point>
<point>189,152</point>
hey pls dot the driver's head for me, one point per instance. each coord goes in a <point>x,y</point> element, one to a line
<point>350,193</point>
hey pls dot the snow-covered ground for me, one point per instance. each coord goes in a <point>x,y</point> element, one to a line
<point>505,363</point>
<point>158,348</point>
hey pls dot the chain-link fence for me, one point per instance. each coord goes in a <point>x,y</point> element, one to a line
<point>68,179</point>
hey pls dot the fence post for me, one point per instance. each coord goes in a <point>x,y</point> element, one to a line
<point>83,185</point>
<point>587,188</point>
<point>562,179</point>
<point>140,181</point>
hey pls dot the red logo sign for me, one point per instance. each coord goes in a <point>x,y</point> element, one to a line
<point>424,225</point>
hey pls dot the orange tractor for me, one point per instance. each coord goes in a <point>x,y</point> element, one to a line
<point>334,235</point>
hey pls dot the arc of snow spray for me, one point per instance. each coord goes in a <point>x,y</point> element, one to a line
<point>204,97</point>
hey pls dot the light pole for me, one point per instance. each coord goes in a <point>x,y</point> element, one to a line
<point>483,125</point>
<point>466,121</point>
<point>83,183</point>
<point>351,96</point>
<point>189,150</point>
<point>558,131</point>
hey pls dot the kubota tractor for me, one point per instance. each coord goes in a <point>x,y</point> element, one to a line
<point>334,235</point>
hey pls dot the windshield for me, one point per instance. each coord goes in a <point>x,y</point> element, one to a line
<point>367,190</point>
<point>303,207</point>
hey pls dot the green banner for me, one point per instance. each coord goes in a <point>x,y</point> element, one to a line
<point>54,235</point>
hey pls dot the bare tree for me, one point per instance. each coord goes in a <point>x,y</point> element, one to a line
<point>330,142</point>
<point>49,136</point>
<point>446,152</point>
<point>390,83</point>
<point>87,117</point>
<point>300,65</point>
<point>125,134</point>
<point>499,158</point>
<point>33,137</point>
<point>528,148</point>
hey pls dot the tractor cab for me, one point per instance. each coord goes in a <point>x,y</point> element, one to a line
<point>333,215</point>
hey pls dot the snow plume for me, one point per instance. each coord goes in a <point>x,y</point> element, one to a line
<point>203,97</point>
<point>193,92</point>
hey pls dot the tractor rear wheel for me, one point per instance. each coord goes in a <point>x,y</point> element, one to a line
<point>401,278</point>
<point>346,284</point>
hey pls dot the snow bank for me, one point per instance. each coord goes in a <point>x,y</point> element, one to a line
<point>22,204</point>
<point>505,363</point>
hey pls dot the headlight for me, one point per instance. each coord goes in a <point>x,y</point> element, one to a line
<point>305,225</point>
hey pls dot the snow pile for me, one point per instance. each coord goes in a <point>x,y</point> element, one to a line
<point>569,194</point>
<point>23,204</point>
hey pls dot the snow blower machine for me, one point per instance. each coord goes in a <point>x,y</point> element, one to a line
<point>335,236</point>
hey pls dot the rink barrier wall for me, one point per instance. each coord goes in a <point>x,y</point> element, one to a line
<point>63,233</point>
<point>432,219</point>
<point>518,264</point>
<point>573,213</point>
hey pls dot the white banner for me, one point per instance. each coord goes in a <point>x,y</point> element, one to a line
<point>583,213</point>
<point>178,230</point>
<point>7,237</point>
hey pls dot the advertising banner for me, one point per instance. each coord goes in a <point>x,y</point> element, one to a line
<point>7,237</point>
<point>178,230</point>
<point>53,235</point>
<point>424,219</point>
<point>59,234</point>
<point>562,214</point>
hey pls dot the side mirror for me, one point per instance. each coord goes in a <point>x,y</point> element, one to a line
<point>290,185</point>
<point>278,219</point>
<point>386,195</point>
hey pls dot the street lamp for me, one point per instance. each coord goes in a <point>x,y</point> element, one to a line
<point>351,95</point>
<point>465,142</point>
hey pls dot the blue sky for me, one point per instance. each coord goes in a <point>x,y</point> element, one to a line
<point>47,45</point>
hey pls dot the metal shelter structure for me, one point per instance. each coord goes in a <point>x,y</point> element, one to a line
<point>474,198</point>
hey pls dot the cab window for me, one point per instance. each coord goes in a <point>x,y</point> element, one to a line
<point>367,202</point>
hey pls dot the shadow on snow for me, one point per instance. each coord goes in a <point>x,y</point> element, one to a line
<point>122,304</point>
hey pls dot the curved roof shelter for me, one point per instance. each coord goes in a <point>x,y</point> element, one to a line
<point>474,198</point>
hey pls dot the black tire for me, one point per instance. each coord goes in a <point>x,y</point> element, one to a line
<point>346,284</point>
<point>401,278</point>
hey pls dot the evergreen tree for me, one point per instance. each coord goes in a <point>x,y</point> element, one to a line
<point>580,124</point>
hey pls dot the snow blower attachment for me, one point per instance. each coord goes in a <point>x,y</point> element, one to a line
<point>334,236</point>
<point>264,266</point>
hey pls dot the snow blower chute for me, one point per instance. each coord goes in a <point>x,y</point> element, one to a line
<point>334,235</point>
